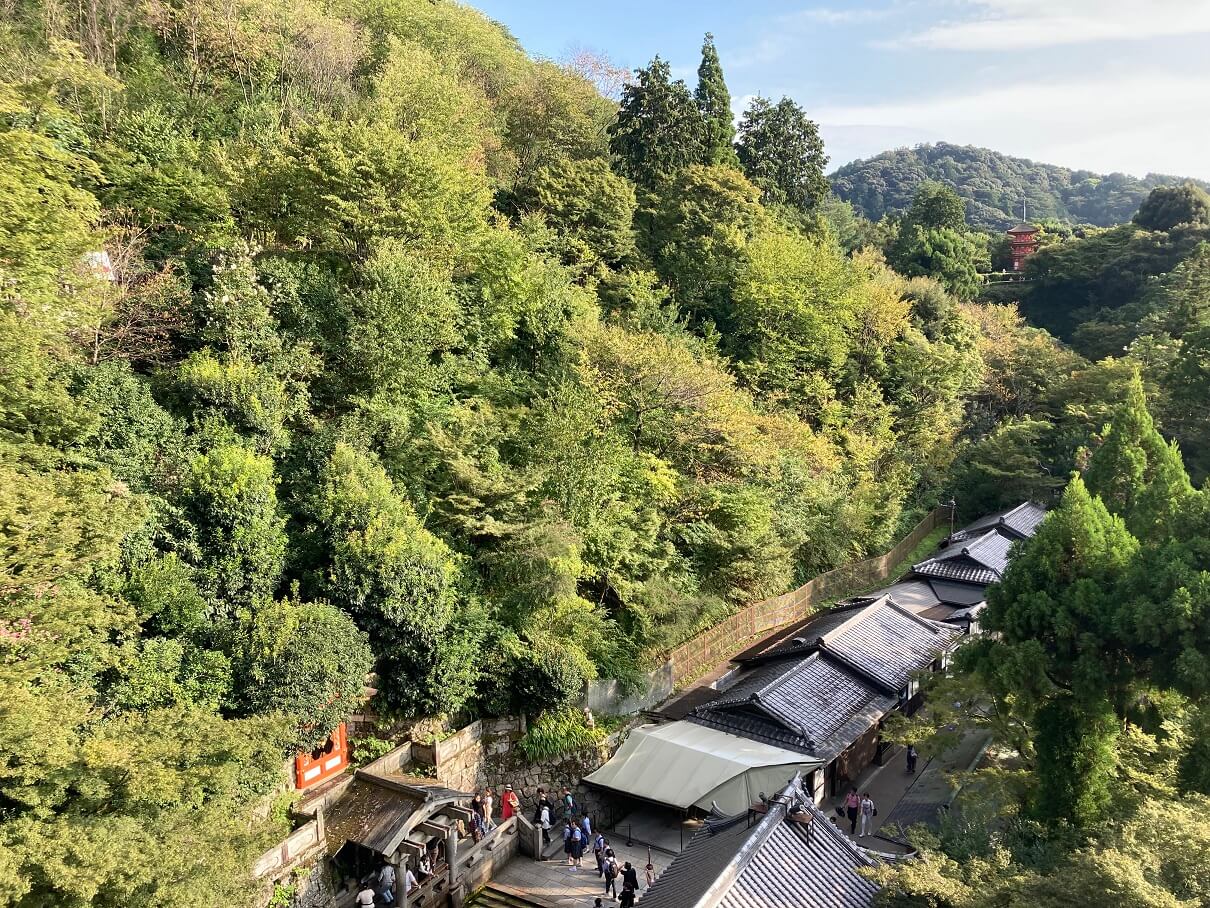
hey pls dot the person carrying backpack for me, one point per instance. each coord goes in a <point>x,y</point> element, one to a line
<point>611,876</point>
<point>569,803</point>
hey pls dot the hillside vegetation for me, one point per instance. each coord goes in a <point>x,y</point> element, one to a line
<point>993,185</point>
<point>424,364</point>
<point>419,357</point>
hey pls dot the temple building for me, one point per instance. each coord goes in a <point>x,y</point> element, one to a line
<point>1023,242</point>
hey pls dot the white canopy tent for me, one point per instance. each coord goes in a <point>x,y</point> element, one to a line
<point>684,764</point>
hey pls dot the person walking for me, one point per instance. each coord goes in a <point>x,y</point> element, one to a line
<point>477,803</point>
<point>630,877</point>
<point>852,806</point>
<point>911,758</point>
<point>611,877</point>
<point>868,811</point>
<point>544,823</point>
<point>489,803</point>
<point>365,898</point>
<point>509,804</point>
<point>627,899</point>
<point>386,883</point>
<point>649,876</point>
<point>478,831</point>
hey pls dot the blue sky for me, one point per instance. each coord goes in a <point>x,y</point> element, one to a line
<point>1098,84</point>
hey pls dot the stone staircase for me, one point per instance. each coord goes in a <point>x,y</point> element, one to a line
<point>498,895</point>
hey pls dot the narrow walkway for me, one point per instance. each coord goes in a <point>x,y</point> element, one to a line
<point>905,799</point>
<point>554,883</point>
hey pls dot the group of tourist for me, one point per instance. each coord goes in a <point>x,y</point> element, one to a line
<point>382,884</point>
<point>860,808</point>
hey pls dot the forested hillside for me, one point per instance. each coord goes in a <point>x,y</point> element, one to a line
<point>993,185</point>
<point>344,345</point>
<point>413,356</point>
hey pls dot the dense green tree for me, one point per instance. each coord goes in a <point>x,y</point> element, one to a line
<point>589,205</point>
<point>1136,473</point>
<point>659,129</point>
<point>404,586</point>
<point>239,551</point>
<point>1059,601</point>
<point>950,257</point>
<point>1168,206</point>
<point>935,207</point>
<point>705,220</point>
<point>714,101</point>
<point>306,660</point>
<point>781,152</point>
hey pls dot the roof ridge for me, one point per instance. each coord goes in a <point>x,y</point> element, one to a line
<point>925,622</point>
<point>856,618</point>
<point>730,873</point>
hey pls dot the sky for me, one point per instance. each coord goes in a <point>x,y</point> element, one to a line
<point>1102,85</point>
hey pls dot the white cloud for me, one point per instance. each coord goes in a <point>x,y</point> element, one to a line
<point>1136,123</point>
<point>826,15</point>
<point>783,33</point>
<point>1061,22</point>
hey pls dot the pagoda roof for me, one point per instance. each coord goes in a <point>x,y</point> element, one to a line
<point>1024,228</point>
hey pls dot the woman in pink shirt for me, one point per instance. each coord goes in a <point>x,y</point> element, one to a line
<point>852,805</point>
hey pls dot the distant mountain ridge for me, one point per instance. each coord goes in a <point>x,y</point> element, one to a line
<point>993,185</point>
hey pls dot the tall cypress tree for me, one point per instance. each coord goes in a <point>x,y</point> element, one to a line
<point>1138,474</point>
<point>658,130</point>
<point>782,153</point>
<point>714,101</point>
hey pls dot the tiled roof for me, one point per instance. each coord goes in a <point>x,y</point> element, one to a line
<point>687,879</point>
<point>809,706</point>
<point>1024,518</point>
<point>774,862</point>
<point>956,567</point>
<point>889,642</point>
<point>793,867</point>
<point>912,594</point>
<point>819,697</point>
<point>990,550</point>
<point>1020,522</point>
<point>958,593</point>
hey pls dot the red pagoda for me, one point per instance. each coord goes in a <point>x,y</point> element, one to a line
<point>1023,242</point>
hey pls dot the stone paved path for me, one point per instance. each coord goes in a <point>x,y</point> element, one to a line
<point>904,799</point>
<point>557,884</point>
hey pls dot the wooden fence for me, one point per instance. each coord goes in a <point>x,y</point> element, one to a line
<point>695,657</point>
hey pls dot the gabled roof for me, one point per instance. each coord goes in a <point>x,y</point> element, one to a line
<point>819,694</point>
<point>979,559</point>
<point>889,642</point>
<point>814,705</point>
<point>960,569</point>
<point>1020,522</point>
<point>789,856</point>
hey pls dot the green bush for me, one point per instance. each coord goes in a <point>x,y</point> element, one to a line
<point>558,732</point>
